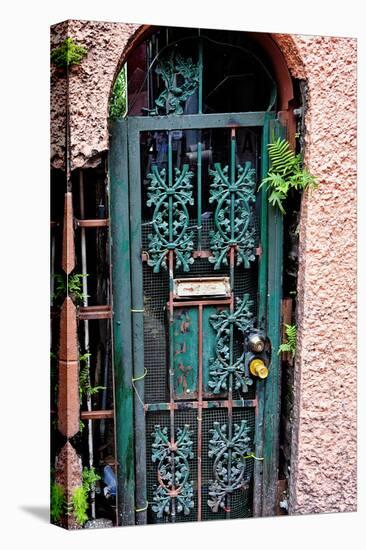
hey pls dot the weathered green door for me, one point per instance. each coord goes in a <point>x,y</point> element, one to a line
<point>196,254</point>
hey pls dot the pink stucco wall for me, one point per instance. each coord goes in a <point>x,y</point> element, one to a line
<point>323,476</point>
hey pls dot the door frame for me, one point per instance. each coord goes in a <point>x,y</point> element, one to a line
<point>127,300</point>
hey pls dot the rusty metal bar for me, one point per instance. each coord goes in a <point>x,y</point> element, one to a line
<point>103,222</point>
<point>199,416</point>
<point>86,337</point>
<point>97,415</point>
<point>95,312</point>
<point>192,303</point>
<point>187,405</point>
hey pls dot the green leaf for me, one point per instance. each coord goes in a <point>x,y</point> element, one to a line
<point>286,173</point>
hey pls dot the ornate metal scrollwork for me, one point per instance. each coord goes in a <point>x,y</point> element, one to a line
<point>170,219</point>
<point>233,215</point>
<point>229,465</point>
<point>173,471</point>
<point>181,79</point>
<point>224,364</point>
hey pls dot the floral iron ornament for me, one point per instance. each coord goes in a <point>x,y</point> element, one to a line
<point>224,364</point>
<point>181,79</point>
<point>233,214</point>
<point>229,465</point>
<point>173,472</point>
<point>170,218</point>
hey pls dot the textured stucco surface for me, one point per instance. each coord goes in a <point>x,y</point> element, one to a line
<point>324,443</point>
<point>89,88</point>
<point>323,476</point>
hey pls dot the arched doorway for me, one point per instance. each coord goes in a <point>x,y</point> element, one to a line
<point>197,260</point>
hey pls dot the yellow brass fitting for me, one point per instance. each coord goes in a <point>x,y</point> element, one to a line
<point>258,368</point>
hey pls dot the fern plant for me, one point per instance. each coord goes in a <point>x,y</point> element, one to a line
<point>80,495</point>
<point>286,173</point>
<point>71,284</point>
<point>85,388</point>
<point>291,335</point>
<point>80,505</point>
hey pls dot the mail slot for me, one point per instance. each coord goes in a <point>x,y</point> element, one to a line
<point>203,286</point>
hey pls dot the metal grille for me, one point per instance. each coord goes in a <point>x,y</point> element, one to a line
<point>241,499</point>
<point>156,293</point>
<point>163,419</point>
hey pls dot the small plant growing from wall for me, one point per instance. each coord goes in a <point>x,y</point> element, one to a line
<point>290,345</point>
<point>68,53</point>
<point>286,173</point>
<point>85,388</point>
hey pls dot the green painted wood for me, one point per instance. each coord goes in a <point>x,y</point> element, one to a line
<point>137,309</point>
<point>185,344</point>
<point>195,122</point>
<point>122,322</point>
<point>272,388</point>
<point>209,345</point>
<point>262,317</point>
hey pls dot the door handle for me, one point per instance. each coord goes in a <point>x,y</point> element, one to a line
<point>259,348</point>
<point>258,368</point>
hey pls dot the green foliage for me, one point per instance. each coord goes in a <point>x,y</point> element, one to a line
<point>80,495</point>
<point>89,478</point>
<point>118,102</point>
<point>290,345</point>
<point>72,284</point>
<point>286,173</point>
<point>85,387</point>
<point>68,53</point>
<point>80,504</point>
<point>57,501</point>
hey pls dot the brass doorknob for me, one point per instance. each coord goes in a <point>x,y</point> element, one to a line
<point>258,368</point>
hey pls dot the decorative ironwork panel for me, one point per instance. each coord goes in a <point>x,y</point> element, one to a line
<point>229,463</point>
<point>181,80</point>
<point>233,214</point>
<point>174,489</point>
<point>224,364</point>
<point>170,218</point>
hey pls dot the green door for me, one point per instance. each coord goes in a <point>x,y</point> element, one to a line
<point>196,255</point>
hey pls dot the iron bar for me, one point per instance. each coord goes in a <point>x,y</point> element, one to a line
<point>95,312</point>
<point>97,415</point>
<point>199,192</point>
<point>188,405</point>
<point>171,371</point>
<point>92,223</point>
<point>139,124</point>
<point>84,269</point>
<point>199,415</point>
